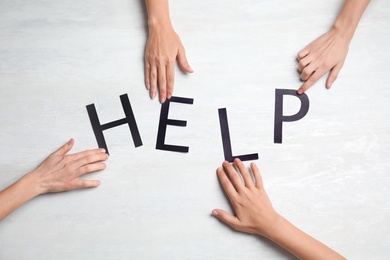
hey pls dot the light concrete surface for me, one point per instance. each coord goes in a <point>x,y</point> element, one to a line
<point>330,176</point>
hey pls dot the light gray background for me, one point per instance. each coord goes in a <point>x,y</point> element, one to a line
<point>330,176</point>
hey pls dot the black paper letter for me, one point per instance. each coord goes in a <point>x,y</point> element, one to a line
<point>164,121</point>
<point>227,147</point>
<point>129,119</point>
<point>280,118</point>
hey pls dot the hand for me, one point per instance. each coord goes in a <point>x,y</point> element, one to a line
<point>255,214</point>
<point>61,171</point>
<point>254,211</point>
<point>326,53</point>
<point>163,48</point>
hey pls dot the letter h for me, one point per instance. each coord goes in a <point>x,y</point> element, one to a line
<point>129,119</point>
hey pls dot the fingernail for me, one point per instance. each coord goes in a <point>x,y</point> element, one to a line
<point>162,99</point>
<point>169,96</point>
<point>299,91</point>
<point>102,150</point>
<point>152,95</point>
<point>147,86</point>
<point>214,213</point>
<point>330,84</point>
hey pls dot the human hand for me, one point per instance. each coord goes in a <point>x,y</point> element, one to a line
<point>326,53</point>
<point>253,209</point>
<point>61,171</point>
<point>163,48</point>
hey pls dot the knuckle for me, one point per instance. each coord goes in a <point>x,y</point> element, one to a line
<point>163,60</point>
<point>162,81</point>
<point>89,159</point>
<point>83,184</point>
<point>170,80</point>
<point>235,226</point>
<point>301,64</point>
<point>88,168</point>
<point>153,75</point>
<point>68,185</point>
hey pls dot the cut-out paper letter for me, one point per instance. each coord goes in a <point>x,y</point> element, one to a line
<point>129,119</point>
<point>164,121</point>
<point>227,147</point>
<point>280,118</point>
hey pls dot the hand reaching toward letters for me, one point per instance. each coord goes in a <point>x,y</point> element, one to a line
<point>254,213</point>
<point>61,171</point>
<point>163,48</point>
<point>328,52</point>
<point>58,172</point>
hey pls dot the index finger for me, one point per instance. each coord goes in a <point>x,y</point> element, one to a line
<point>79,155</point>
<point>312,79</point>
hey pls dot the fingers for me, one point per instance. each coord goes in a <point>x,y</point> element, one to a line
<point>170,74</point>
<point>333,75</point>
<point>225,217</point>
<point>233,176</point>
<point>162,82</point>
<point>314,77</point>
<point>88,164</point>
<point>65,148</point>
<point>77,156</point>
<point>88,168</point>
<point>244,172</point>
<point>257,175</point>
<point>80,184</point>
<point>160,78</point>
<point>303,53</point>
<point>147,74</point>
<point>226,184</point>
<point>153,81</point>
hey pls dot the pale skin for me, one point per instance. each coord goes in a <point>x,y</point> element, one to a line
<point>325,54</point>
<point>59,172</point>
<point>254,213</point>
<point>163,49</point>
<point>328,52</point>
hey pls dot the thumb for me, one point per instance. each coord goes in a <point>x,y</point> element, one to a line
<point>182,61</point>
<point>226,218</point>
<point>65,148</point>
<point>334,72</point>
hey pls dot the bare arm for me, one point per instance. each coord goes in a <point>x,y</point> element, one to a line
<point>163,48</point>
<point>59,172</point>
<point>329,51</point>
<point>255,214</point>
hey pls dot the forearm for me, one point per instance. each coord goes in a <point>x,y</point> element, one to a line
<point>17,194</point>
<point>299,243</point>
<point>158,13</point>
<point>349,17</point>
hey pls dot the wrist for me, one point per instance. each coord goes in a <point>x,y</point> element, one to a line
<point>159,22</point>
<point>32,183</point>
<point>343,30</point>
<point>273,226</point>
